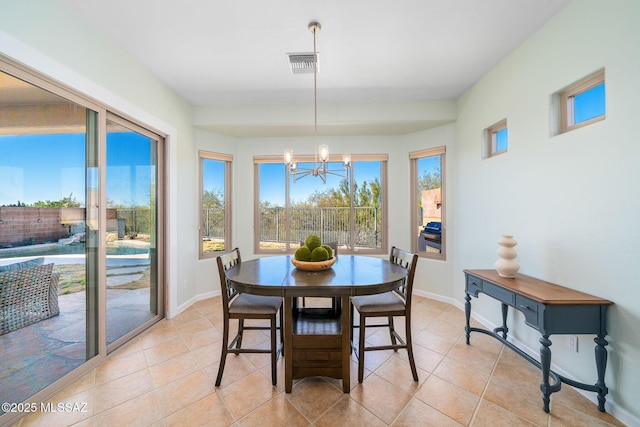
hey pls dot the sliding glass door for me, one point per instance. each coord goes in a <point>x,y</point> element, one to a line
<point>80,234</point>
<point>132,237</point>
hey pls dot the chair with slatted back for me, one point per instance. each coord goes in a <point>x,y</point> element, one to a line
<point>243,306</point>
<point>388,304</point>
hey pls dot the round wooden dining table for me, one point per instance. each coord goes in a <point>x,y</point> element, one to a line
<point>316,344</point>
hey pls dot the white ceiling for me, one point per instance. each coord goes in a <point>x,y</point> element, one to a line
<point>224,53</point>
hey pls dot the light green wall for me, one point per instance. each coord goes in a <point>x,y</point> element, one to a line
<point>570,200</point>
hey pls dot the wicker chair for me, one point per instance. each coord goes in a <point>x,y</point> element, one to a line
<point>27,296</point>
<point>388,304</point>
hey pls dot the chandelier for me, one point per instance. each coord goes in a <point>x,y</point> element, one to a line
<point>321,155</point>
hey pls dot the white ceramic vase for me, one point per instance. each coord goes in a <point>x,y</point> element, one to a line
<point>506,265</point>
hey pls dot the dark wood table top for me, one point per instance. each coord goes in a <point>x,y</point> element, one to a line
<point>539,290</point>
<point>349,276</point>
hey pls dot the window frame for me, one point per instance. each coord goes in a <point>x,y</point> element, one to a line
<point>228,160</point>
<point>491,136</point>
<point>414,220</point>
<point>567,95</point>
<point>289,249</point>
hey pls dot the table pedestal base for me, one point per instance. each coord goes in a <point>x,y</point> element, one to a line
<point>315,345</point>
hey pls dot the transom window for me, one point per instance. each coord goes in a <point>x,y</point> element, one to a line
<point>582,103</point>
<point>351,211</point>
<point>497,138</point>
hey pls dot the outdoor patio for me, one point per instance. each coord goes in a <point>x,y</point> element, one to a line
<point>35,356</point>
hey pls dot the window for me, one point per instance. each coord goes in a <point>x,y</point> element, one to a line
<point>428,203</point>
<point>215,215</point>
<point>582,103</point>
<point>351,211</point>
<point>497,137</point>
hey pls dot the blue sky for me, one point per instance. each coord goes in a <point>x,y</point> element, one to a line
<point>51,167</point>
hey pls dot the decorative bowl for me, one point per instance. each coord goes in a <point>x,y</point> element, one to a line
<point>313,266</point>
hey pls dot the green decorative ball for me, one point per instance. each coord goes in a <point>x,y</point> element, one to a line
<point>313,242</point>
<point>319,254</point>
<point>303,254</point>
<point>329,250</point>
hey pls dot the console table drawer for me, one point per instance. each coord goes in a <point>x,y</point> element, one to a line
<point>498,293</point>
<point>529,308</point>
<point>474,285</point>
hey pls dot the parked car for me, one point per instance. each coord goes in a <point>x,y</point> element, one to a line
<point>433,231</point>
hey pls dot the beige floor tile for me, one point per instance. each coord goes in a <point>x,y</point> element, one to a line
<point>247,394</point>
<point>490,415</point>
<point>350,413</point>
<point>158,336</point>
<point>191,313</point>
<point>397,371</point>
<point>477,355</point>
<point>276,412</point>
<point>426,359</point>
<point>160,353</point>
<point>208,354</point>
<point>381,397</point>
<point>434,341</point>
<point>201,339</point>
<point>418,413</point>
<point>462,375</point>
<point>118,367</point>
<point>120,390</point>
<point>130,412</point>
<point>313,397</point>
<point>194,326</point>
<point>81,409</point>
<point>173,369</point>
<point>184,391</point>
<point>453,401</point>
<point>568,404</point>
<point>522,398</point>
<point>208,411</point>
<point>235,368</point>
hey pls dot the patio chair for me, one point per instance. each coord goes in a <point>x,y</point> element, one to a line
<point>242,306</point>
<point>388,304</point>
<point>27,295</point>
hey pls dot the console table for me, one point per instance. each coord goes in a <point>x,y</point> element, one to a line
<point>550,309</point>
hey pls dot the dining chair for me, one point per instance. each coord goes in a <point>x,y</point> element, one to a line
<point>336,306</point>
<point>244,306</point>
<point>388,304</point>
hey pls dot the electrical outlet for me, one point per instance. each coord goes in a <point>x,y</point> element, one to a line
<point>573,342</point>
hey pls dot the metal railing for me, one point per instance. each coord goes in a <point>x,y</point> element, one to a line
<point>330,224</point>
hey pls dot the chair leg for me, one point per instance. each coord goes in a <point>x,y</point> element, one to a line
<point>361,348</point>
<point>351,309</point>
<point>223,356</point>
<point>412,362</point>
<point>392,331</point>
<point>274,351</point>
<point>240,331</point>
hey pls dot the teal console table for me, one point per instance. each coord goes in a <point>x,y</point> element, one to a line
<point>550,309</point>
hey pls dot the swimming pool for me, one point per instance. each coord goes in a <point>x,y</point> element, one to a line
<point>73,249</point>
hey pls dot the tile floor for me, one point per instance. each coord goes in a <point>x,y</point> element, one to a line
<point>166,378</point>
